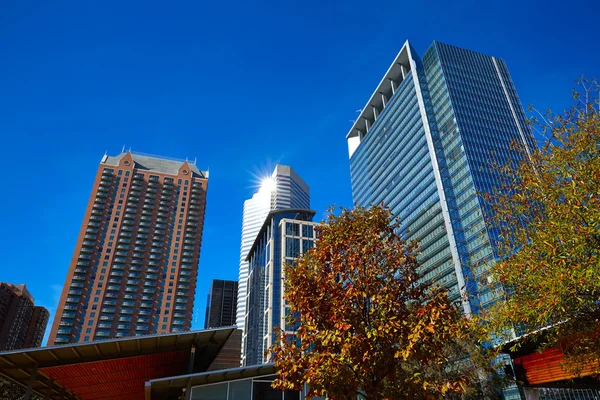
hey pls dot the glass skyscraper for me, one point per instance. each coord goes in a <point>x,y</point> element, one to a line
<point>423,145</point>
<point>284,236</point>
<point>283,189</point>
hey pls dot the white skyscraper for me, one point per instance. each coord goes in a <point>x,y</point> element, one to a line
<point>284,189</point>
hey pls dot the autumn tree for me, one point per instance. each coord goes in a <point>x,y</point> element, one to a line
<point>547,219</point>
<point>366,325</point>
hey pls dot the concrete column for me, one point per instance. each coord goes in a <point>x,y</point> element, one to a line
<point>383,100</point>
<point>393,85</point>
<point>32,379</point>
<point>190,368</point>
<point>375,113</point>
<point>367,125</point>
<point>188,391</point>
<point>403,69</point>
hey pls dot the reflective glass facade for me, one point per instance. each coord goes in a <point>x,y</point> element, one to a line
<point>423,146</point>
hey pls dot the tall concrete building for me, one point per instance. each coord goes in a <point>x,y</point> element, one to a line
<point>22,324</point>
<point>285,235</point>
<point>283,189</point>
<point>221,304</point>
<point>135,263</point>
<point>423,145</point>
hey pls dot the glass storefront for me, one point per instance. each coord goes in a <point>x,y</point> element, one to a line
<point>244,389</point>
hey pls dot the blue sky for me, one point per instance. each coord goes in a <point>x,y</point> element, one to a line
<point>239,85</point>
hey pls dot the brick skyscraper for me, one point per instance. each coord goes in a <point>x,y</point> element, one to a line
<point>135,263</point>
<point>22,325</point>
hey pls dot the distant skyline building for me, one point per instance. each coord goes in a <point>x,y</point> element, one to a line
<point>135,263</point>
<point>22,324</point>
<point>221,304</point>
<point>285,235</point>
<point>423,145</point>
<point>283,189</point>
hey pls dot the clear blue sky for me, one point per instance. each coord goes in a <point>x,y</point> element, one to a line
<point>239,85</point>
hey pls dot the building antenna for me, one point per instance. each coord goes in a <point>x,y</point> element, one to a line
<point>123,149</point>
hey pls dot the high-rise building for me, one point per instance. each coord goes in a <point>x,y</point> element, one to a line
<point>423,145</point>
<point>285,235</point>
<point>284,189</point>
<point>22,325</point>
<point>135,263</point>
<point>221,304</point>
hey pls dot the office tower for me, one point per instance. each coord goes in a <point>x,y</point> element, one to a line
<point>221,304</point>
<point>135,263</point>
<point>22,325</point>
<point>285,235</point>
<point>423,145</point>
<point>283,189</point>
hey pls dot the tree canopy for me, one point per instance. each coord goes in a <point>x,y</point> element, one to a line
<point>548,223</point>
<point>366,326</point>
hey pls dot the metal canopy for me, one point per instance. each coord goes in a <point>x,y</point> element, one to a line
<point>111,369</point>
<point>171,388</point>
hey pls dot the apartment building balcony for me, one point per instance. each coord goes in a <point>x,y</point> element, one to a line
<point>128,221</point>
<point>86,249</point>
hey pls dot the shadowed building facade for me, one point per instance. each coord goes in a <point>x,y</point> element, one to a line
<point>22,324</point>
<point>221,304</point>
<point>135,263</point>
